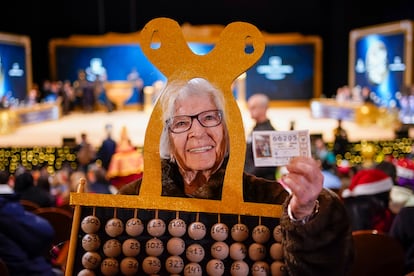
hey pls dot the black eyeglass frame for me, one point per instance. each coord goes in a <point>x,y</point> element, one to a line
<point>192,117</point>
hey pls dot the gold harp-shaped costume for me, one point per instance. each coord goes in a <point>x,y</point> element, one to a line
<point>222,65</point>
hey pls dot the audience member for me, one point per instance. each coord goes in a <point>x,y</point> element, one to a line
<point>258,105</point>
<point>389,168</point>
<point>330,179</point>
<point>400,197</point>
<point>341,141</point>
<point>85,153</point>
<point>74,180</point>
<point>402,229</point>
<point>24,236</point>
<point>405,173</point>
<point>97,181</point>
<point>367,199</point>
<point>107,148</point>
<point>194,152</point>
<point>59,182</point>
<point>321,152</point>
<point>127,163</point>
<point>137,83</point>
<point>25,187</point>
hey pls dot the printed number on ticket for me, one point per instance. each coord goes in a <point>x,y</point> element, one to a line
<point>276,148</point>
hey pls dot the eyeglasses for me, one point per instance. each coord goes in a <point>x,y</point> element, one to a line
<point>182,123</point>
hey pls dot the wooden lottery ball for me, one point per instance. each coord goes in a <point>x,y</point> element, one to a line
<point>129,266</point>
<point>91,260</point>
<point>176,246</point>
<point>114,227</point>
<point>239,232</point>
<point>193,269</point>
<point>154,247</point>
<point>134,227</point>
<point>177,227</point>
<point>174,264</point>
<point>257,251</point>
<point>219,232</point>
<point>156,227</point>
<point>151,265</point>
<point>238,251</point>
<point>197,230</point>
<point>276,251</point>
<point>112,248</point>
<point>239,268</point>
<point>131,247</point>
<point>195,253</point>
<point>91,242</point>
<point>260,268</point>
<point>220,250</point>
<point>261,234</point>
<point>86,272</point>
<point>277,268</point>
<point>215,267</point>
<point>277,233</point>
<point>90,224</point>
<point>110,267</point>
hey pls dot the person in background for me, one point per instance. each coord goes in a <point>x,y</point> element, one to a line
<point>367,199</point>
<point>24,236</point>
<point>97,181</point>
<point>127,163</point>
<point>258,105</point>
<point>25,187</point>
<point>137,84</point>
<point>331,180</point>
<point>85,152</point>
<point>341,141</point>
<point>405,172</point>
<point>402,230</point>
<point>194,152</point>
<point>321,152</point>
<point>107,148</point>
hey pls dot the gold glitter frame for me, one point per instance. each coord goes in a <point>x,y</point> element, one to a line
<point>175,60</point>
<point>221,66</point>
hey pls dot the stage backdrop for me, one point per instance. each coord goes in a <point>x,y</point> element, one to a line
<point>15,67</point>
<point>289,71</point>
<point>381,58</point>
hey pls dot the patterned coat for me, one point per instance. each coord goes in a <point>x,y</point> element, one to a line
<point>322,246</point>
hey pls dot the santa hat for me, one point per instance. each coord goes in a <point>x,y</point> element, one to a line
<point>405,173</point>
<point>368,182</point>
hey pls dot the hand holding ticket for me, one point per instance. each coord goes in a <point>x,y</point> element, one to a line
<point>276,148</point>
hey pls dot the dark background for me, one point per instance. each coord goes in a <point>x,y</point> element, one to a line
<point>332,20</point>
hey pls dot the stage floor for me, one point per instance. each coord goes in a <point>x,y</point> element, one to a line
<point>51,133</point>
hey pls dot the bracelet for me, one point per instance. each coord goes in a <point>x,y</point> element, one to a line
<point>305,219</point>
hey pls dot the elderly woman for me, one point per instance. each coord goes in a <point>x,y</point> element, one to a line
<point>194,149</point>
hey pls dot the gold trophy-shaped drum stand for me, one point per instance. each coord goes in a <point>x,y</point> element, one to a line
<point>119,92</point>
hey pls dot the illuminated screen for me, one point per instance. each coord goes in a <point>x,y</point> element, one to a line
<point>284,72</point>
<point>380,66</point>
<point>13,71</point>
<point>118,61</point>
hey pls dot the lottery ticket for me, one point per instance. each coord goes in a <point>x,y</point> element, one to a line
<point>276,148</point>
